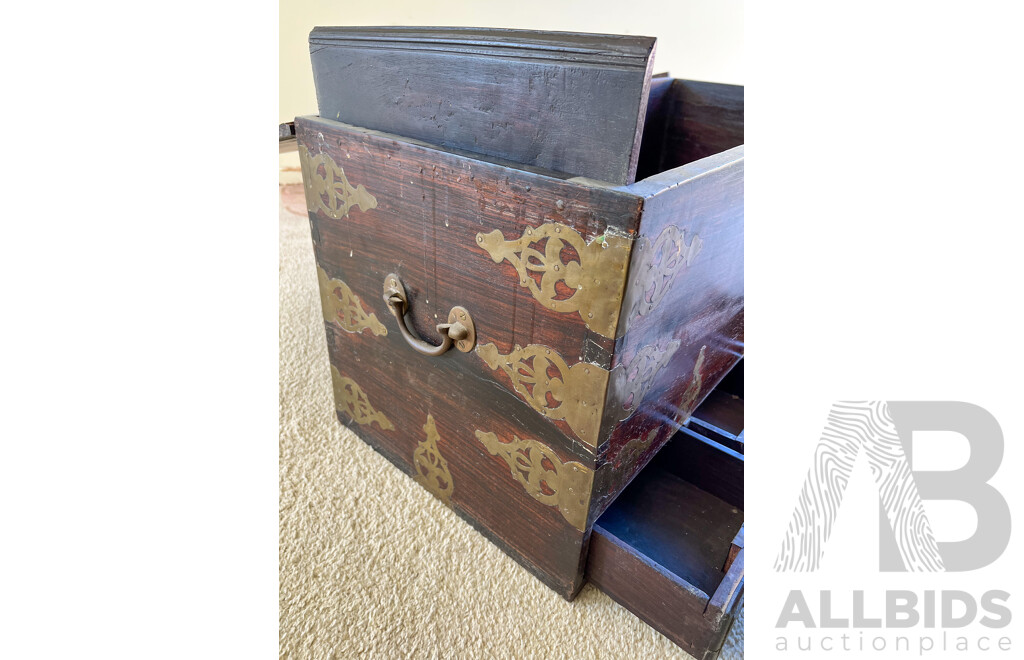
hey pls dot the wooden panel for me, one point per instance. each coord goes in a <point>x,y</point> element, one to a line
<point>720,419</point>
<point>685,300</point>
<point>668,604</point>
<point>407,387</point>
<point>670,549</point>
<point>676,524</point>
<point>688,120</point>
<point>572,103</point>
<point>659,113</point>
<point>429,207</point>
<point>705,464</point>
<point>418,213</point>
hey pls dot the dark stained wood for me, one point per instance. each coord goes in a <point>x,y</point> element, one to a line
<point>724,600</point>
<point>670,548</point>
<point>568,102</point>
<point>666,602</point>
<point>659,111</point>
<point>407,387</point>
<point>706,464</point>
<point>733,381</point>
<point>709,121</point>
<point>677,524</point>
<point>737,545</point>
<point>702,309</point>
<point>429,206</point>
<point>721,419</point>
<point>691,120</point>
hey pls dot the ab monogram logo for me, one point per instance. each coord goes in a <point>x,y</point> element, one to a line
<point>882,432</point>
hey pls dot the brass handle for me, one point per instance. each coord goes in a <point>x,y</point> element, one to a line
<point>459,330</point>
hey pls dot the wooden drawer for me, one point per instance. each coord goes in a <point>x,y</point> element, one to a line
<point>670,549</point>
<point>602,314</point>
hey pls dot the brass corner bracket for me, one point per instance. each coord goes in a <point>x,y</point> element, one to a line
<point>574,276</point>
<point>547,479</point>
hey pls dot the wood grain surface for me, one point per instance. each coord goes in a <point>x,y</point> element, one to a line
<point>669,548</point>
<point>568,102</point>
<point>419,211</point>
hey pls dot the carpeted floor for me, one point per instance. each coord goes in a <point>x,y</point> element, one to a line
<point>373,566</point>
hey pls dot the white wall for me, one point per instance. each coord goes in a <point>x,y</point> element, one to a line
<point>697,39</point>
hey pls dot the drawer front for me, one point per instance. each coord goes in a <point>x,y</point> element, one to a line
<point>486,430</point>
<point>667,603</point>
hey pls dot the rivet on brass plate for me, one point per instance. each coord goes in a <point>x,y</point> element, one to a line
<point>656,270</point>
<point>578,391</point>
<point>328,189</point>
<point>692,391</point>
<point>350,399</point>
<point>592,274</point>
<point>431,468</point>
<point>547,479</point>
<point>345,308</point>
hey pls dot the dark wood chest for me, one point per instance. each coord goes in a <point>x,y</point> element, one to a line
<point>521,341</point>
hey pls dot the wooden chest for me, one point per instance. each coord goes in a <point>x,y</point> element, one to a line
<point>522,342</point>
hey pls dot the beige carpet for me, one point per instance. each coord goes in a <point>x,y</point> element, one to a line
<point>373,566</point>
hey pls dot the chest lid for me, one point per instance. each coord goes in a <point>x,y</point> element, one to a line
<point>568,102</point>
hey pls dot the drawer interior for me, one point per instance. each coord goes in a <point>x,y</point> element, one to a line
<point>679,515</point>
<point>688,120</point>
<point>670,548</point>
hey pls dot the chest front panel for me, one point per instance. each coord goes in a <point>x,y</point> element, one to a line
<point>506,432</point>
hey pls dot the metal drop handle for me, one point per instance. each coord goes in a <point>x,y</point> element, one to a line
<point>458,331</point>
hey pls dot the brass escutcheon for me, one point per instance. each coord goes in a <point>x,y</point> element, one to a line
<point>459,330</point>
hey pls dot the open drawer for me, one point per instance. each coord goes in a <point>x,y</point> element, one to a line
<point>670,548</point>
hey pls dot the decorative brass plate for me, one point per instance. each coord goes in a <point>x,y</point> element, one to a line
<point>345,308</point>
<point>459,316</point>
<point>330,191</point>
<point>655,270</point>
<point>547,480</point>
<point>592,282</point>
<point>632,380</point>
<point>350,399</point>
<point>431,468</point>
<point>578,391</point>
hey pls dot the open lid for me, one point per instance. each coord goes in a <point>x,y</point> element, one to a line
<point>573,103</point>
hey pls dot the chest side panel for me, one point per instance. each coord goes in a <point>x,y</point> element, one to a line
<point>681,328</point>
